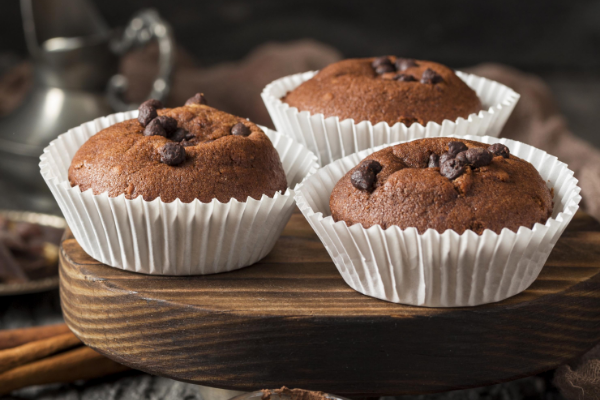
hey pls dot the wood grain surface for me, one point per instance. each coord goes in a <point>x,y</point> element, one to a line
<point>291,320</point>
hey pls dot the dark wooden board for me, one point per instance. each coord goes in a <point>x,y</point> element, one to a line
<point>291,320</point>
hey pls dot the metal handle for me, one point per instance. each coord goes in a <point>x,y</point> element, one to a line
<point>145,26</point>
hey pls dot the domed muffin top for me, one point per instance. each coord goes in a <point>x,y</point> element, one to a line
<point>190,152</point>
<point>389,89</point>
<point>443,183</point>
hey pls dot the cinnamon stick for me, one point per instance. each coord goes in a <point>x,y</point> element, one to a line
<point>79,363</point>
<point>16,337</point>
<point>32,351</point>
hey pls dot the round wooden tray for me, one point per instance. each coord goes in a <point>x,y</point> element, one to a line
<point>291,320</point>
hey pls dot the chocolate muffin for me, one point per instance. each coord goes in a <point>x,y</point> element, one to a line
<point>389,89</point>
<point>443,183</point>
<point>190,152</point>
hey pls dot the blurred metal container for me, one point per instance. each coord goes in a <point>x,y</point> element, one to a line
<point>76,57</point>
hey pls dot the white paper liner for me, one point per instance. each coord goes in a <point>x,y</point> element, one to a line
<point>331,139</point>
<point>154,237</point>
<point>433,269</point>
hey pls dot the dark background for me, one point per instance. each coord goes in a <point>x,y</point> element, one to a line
<point>556,39</point>
<point>539,36</point>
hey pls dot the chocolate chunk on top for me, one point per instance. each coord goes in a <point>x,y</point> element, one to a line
<point>198,98</point>
<point>434,161</point>
<point>384,68</point>
<point>179,135</point>
<point>172,154</point>
<point>240,129</point>
<point>155,128</point>
<point>381,61</point>
<point>499,149</point>
<point>478,157</point>
<point>157,104</point>
<point>405,63</point>
<point>168,123</point>
<point>456,147</point>
<point>431,77</point>
<point>146,114</point>
<point>452,168</point>
<point>364,177</point>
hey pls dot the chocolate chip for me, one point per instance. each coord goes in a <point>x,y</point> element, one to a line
<point>462,157</point>
<point>381,61</point>
<point>384,68</point>
<point>240,129</point>
<point>405,63</point>
<point>478,157</point>
<point>155,128</point>
<point>169,123</point>
<point>146,114</point>
<point>445,157</point>
<point>179,135</point>
<point>198,98</point>
<point>153,103</point>
<point>405,78</point>
<point>452,168</point>
<point>430,76</point>
<point>172,154</point>
<point>434,161</point>
<point>456,147</point>
<point>499,149</point>
<point>364,177</point>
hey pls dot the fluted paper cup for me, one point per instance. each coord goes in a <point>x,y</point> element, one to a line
<point>154,237</point>
<point>439,269</point>
<point>331,139</point>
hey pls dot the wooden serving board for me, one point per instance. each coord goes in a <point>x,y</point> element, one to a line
<point>291,320</point>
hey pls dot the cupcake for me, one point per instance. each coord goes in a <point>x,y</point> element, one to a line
<point>386,89</point>
<point>182,191</point>
<point>186,153</point>
<point>442,184</point>
<point>357,104</point>
<point>441,222</point>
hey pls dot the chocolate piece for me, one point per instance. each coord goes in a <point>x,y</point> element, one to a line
<point>155,128</point>
<point>452,168</point>
<point>364,177</point>
<point>405,63</point>
<point>179,135</point>
<point>168,123</point>
<point>384,68</point>
<point>462,157</point>
<point>27,230</point>
<point>445,157</point>
<point>198,98</point>
<point>455,147</point>
<point>146,114</point>
<point>430,76</point>
<point>499,149</point>
<point>352,89</point>
<point>153,103</point>
<point>405,78</point>
<point>172,154</point>
<point>478,157</point>
<point>381,61</point>
<point>240,129</point>
<point>434,161</point>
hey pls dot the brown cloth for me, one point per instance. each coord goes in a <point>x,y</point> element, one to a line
<point>236,87</point>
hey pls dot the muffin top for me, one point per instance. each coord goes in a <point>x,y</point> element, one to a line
<point>389,89</point>
<point>443,183</point>
<point>190,152</point>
